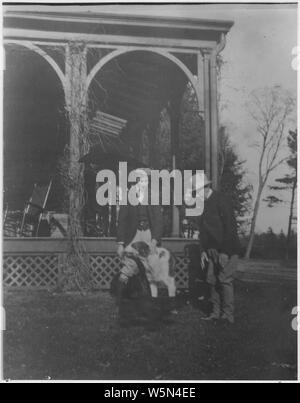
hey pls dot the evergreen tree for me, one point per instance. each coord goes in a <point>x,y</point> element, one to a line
<point>232,180</point>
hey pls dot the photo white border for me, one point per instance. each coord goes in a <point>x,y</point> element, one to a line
<point>2,64</point>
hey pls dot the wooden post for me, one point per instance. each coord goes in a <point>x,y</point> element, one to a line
<point>175,209</point>
<point>76,102</point>
<point>77,268</point>
<point>200,98</point>
<point>207,109</point>
<point>214,121</point>
<point>200,82</point>
<point>175,120</point>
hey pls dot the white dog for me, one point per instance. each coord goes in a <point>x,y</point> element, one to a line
<point>159,266</point>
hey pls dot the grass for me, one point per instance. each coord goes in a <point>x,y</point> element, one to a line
<point>74,337</point>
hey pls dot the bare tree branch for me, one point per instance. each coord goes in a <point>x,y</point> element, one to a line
<point>270,109</point>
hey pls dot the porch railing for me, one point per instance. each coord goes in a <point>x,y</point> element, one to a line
<point>38,262</point>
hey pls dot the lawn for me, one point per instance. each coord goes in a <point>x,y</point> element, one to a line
<point>75,337</point>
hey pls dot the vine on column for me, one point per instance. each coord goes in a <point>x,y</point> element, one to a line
<point>76,271</point>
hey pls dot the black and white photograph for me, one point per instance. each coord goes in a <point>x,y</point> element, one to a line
<point>149,194</point>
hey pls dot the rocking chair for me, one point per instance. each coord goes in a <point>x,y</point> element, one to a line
<point>35,207</point>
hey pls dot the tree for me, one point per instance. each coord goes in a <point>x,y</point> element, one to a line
<point>231,168</point>
<point>191,133</point>
<point>270,109</point>
<point>232,179</point>
<point>287,182</point>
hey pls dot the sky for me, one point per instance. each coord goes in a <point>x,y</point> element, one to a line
<point>258,54</point>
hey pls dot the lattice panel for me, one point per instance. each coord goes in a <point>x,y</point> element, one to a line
<point>42,271</point>
<point>181,272</point>
<point>30,270</point>
<point>103,269</point>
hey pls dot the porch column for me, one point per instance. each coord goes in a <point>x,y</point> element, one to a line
<point>207,110</point>
<point>214,121</point>
<point>175,209</point>
<point>200,98</point>
<point>76,104</point>
<point>175,120</point>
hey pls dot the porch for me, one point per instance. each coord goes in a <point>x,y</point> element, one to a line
<point>134,68</point>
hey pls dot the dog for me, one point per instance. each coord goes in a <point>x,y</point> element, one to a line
<point>159,266</point>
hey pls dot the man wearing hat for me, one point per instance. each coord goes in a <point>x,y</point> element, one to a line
<point>220,247</point>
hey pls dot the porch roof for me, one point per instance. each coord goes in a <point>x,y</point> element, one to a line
<point>90,22</point>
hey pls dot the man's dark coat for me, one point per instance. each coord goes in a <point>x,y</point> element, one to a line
<point>217,225</point>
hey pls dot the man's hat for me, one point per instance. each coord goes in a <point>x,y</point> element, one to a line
<point>199,181</point>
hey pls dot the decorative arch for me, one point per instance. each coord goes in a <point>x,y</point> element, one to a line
<point>43,54</point>
<point>167,55</point>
